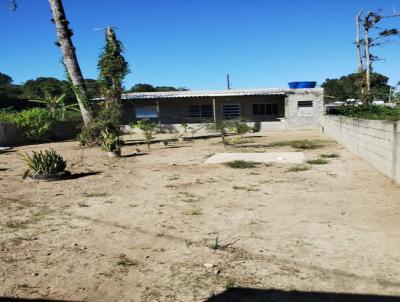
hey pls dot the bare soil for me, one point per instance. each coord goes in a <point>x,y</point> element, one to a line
<point>165,226</point>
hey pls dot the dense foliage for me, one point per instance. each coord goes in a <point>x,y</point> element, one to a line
<point>150,88</point>
<point>350,87</point>
<point>371,112</point>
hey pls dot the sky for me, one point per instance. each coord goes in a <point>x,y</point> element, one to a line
<point>195,43</point>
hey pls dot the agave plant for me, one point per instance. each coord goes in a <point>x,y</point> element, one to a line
<point>110,142</point>
<point>44,163</point>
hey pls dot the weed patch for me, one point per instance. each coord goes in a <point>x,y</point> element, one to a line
<point>319,161</point>
<point>330,155</point>
<point>298,168</point>
<point>241,164</point>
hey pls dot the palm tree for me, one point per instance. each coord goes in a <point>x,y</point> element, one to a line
<point>56,105</point>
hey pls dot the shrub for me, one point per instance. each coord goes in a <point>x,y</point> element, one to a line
<point>44,163</point>
<point>148,127</point>
<point>110,142</point>
<point>239,127</point>
<point>33,123</point>
<point>372,112</point>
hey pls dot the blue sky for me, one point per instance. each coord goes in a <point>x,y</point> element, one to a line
<point>193,43</point>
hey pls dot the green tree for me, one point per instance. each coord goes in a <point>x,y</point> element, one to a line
<point>142,88</point>
<point>350,87</point>
<point>113,68</point>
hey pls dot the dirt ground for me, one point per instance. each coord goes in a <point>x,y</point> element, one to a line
<point>165,226</point>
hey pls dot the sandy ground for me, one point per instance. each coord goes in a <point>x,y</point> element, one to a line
<point>144,227</point>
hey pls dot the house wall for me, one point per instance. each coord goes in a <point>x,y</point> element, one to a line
<point>290,116</point>
<point>175,111</point>
<point>304,117</point>
<point>377,142</point>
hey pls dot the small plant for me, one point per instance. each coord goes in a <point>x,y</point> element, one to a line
<point>217,245</point>
<point>298,168</point>
<point>242,164</point>
<point>111,143</point>
<point>42,164</point>
<point>125,261</point>
<point>319,161</point>
<point>185,127</point>
<point>239,127</point>
<point>148,128</point>
<point>330,155</point>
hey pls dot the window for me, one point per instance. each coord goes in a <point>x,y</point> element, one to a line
<point>265,109</point>
<point>146,111</point>
<point>200,111</point>
<point>305,104</point>
<point>230,111</point>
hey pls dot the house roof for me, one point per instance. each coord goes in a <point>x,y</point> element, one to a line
<point>205,93</point>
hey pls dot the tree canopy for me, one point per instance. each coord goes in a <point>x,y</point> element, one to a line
<point>140,87</point>
<point>349,87</point>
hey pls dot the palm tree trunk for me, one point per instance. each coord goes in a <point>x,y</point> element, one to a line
<point>64,35</point>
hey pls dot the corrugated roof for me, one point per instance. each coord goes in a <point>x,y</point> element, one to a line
<point>204,93</point>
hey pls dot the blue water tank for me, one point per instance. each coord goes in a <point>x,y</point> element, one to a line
<point>305,84</point>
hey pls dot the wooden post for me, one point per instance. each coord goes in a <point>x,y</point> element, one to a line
<point>214,110</point>
<point>158,114</point>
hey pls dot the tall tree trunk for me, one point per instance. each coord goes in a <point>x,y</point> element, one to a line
<point>358,42</point>
<point>368,63</point>
<point>64,35</point>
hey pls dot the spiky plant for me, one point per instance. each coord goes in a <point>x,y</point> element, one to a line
<point>47,162</point>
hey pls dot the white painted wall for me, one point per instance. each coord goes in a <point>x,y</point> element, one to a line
<point>377,142</point>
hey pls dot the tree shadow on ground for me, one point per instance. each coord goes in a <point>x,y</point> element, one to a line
<point>134,155</point>
<point>261,295</point>
<point>83,174</point>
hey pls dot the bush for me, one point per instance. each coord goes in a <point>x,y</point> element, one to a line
<point>148,128</point>
<point>34,123</point>
<point>371,112</point>
<point>110,142</point>
<point>107,119</point>
<point>44,163</point>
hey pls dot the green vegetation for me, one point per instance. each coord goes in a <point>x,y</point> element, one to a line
<point>351,86</point>
<point>148,129</point>
<point>330,155</point>
<point>224,127</point>
<point>44,163</point>
<point>371,112</point>
<point>298,144</point>
<point>319,161</point>
<point>298,168</point>
<point>111,142</point>
<point>150,88</point>
<point>33,123</point>
<point>241,164</point>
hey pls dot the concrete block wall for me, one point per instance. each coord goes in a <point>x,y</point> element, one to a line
<point>304,117</point>
<point>11,136</point>
<point>377,142</point>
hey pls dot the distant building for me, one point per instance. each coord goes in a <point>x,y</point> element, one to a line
<point>266,109</point>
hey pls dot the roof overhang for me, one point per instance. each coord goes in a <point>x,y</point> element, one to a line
<point>205,94</point>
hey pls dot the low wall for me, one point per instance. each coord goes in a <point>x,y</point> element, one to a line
<point>10,136</point>
<point>203,128</point>
<point>377,142</point>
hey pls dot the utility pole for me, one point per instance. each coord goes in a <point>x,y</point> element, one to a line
<point>228,82</point>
